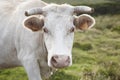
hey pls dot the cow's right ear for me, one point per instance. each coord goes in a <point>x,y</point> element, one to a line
<point>34,23</point>
<point>84,22</point>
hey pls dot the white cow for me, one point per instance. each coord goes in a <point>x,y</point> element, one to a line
<point>42,40</point>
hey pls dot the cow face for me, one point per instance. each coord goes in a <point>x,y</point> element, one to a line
<point>58,27</point>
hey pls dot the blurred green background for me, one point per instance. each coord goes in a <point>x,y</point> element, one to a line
<point>96,53</point>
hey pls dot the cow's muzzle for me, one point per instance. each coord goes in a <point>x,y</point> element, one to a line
<point>60,61</point>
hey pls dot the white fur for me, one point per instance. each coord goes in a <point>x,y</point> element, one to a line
<point>59,41</point>
<point>18,46</point>
<point>22,47</point>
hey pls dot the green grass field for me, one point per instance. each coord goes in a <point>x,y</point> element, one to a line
<point>96,53</point>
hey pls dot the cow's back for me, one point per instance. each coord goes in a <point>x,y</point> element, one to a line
<point>11,28</point>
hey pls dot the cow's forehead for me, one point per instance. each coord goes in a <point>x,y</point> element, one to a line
<point>59,17</point>
<point>56,20</point>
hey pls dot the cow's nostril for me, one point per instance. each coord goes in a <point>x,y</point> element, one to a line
<point>54,59</point>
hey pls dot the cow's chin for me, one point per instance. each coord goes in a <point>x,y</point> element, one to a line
<point>61,64</point>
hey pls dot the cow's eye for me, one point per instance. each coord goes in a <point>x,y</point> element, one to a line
<point>45,30</point>
<point>72,29</point>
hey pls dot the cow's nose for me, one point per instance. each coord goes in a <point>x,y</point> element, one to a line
<point>60,61</point>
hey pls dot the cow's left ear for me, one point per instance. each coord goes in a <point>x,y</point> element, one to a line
<point>34,23</point>
<point>84,22</point>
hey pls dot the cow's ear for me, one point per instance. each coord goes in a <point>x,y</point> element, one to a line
<point>84,22</point>
<point>34,23</point>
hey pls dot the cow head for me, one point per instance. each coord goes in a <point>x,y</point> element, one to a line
<point>58,25</point>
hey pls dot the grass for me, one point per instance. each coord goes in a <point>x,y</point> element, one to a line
<point>13,74</point>
<point>96,53</point>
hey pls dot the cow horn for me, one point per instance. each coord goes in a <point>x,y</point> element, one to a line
<point>34,11</point>
<point>83,9</point>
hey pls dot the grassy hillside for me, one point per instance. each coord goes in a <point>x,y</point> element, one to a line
<point>96,53</point>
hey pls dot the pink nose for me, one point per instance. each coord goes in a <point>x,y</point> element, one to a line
<point>60,61</point>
